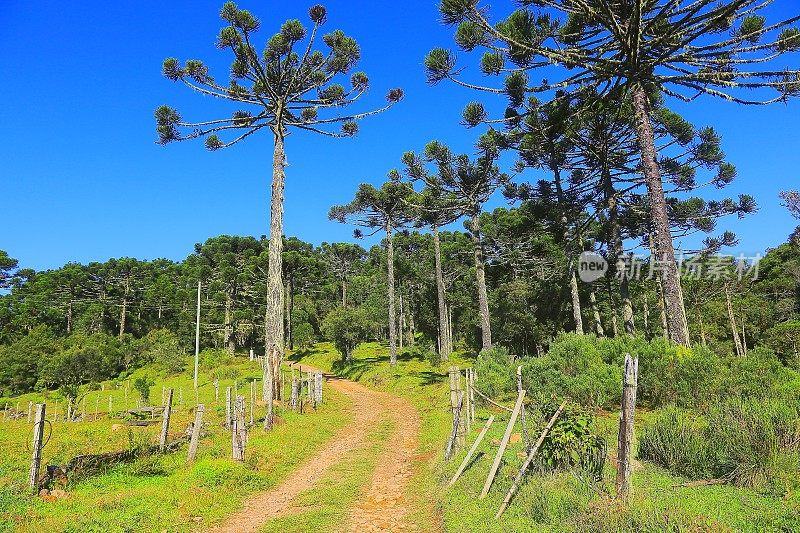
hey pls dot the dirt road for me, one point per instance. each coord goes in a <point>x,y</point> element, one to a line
<point>384,505</point>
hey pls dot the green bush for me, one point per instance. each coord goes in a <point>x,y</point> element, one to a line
<point>572,441</point>
<point>303,335</point>
<point>575,368</point>
<point>142,385</point>
<point>496,372</point>
<point>212,358</point>
<point>161,347</point>
<point>739,441</point>
<point>784,340</point>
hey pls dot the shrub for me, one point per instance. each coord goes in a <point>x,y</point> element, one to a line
<point>496,372</point>
<point>213,358</point>
<point>142,385</point>
<point>572,441</point>
<point>739,441</point>
<point>161,347</point>
<point>574,367</point>
<point>784,340</point>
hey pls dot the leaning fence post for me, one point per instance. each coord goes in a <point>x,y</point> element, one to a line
<point>36,459</point>
<point>503,443</point>
<point>198,422</point>
<point>162,441</point>
<point>630,379</point>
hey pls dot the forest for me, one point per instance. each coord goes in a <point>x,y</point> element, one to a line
<point>542,260</point>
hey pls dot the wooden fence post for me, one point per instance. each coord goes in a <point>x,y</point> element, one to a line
<point>30,411</point>
<point>110,405</point>
<point>503,443</point>
<point>239,433</point>
<point>524,420</point>
<point>55,412</point>
<point>295,393</point>
<point>162,441</point>
<point>318,387</point>
<point>455,385</point>
<point>252,400</point>
<point>630,380</point>
<point>465,416</point>
<point>36,459</point>
<point>198,423</point>
<point>472,393</point>
<point>228,413</point>
<point>269,393</point>
<point>471,451</point>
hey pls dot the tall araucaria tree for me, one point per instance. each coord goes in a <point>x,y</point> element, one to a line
<point>466,185</point>
<point>385,209</point>
<point>678,48</point>
<point>286,87</point>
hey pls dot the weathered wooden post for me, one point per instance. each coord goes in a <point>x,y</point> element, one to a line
<point>198,423</point>
<point>252,356</point>
<point>30,411</point>
<point>239,433</point>
<point>471,451</point>
<point>252,400</point>
<point>228,413</point>
<point>55,412</point>
<point>522,414</point>
<point>162,441</point>
<point>503,443</point>
<point>472,394</point>
<point>295,393</point>
<point>318,387</point>
<point>36,458</point>
<point>126,398</point>
<point>466,408</point>
<point>454,374</point>
<point>630,380</point>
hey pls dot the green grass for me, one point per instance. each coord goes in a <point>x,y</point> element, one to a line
<point>326,506</point>
<point>561,501</point>
<point>160,492</point>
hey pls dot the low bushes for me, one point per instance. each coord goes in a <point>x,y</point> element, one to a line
<point>744,442</point>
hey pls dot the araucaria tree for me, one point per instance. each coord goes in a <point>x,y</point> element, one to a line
<point>284,87</point>
<point>637,48</point>
<point>385,209</point>
<point>465,185</point>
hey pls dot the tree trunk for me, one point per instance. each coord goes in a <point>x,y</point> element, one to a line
<point>274,312</point>
<point>390,282</point>
<point>69,317</point>
<point>627,305</point>
<point>344,293</point>
<point>675,311</point>
<point>598,324</point>
<point>737,343</point>
<point>480,278</point>
<point>230,342</point>
<point>446,344</point>
<point>662,307</point>
<point>123,315</point>
<point>401,322</point>
<point>576,300</point>
<point>289,311</point>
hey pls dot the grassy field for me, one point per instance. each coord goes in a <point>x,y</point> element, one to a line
<point>158,492</point>
<point>560,501</point>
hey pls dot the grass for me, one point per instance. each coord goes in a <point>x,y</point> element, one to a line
<point>160,492</point>
<point>561,501</point>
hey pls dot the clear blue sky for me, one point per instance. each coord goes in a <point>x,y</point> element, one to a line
<point>82,179</point>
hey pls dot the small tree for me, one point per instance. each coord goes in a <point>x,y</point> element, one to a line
<point>385,209</point>
<point>347,328</point>
<point>142,385</point>
<point>285,88</point>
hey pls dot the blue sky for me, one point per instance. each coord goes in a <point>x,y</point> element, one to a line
<point>83,180</point>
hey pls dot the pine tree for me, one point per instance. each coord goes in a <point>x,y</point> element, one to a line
<point>677,48</point>
<point>290,86</point>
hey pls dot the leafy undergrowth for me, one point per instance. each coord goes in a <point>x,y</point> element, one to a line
<point>560,501</point>
<point>160,492</point>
